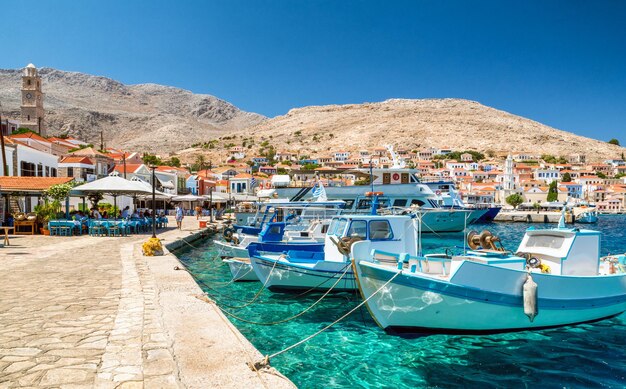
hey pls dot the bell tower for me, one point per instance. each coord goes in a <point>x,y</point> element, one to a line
<point>32,101</point>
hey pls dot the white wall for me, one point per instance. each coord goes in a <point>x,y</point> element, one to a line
<point>31,155</point>
<point>9,157</point>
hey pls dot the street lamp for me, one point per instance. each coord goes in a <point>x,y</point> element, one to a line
<point>153,201</point>
<point>210,195</point>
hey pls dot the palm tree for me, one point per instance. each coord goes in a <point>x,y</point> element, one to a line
<point>200,162</point>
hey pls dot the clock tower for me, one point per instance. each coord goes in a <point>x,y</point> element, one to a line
<point>32,101</point>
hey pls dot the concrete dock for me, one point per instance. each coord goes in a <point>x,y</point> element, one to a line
<point>93,312</point>
<point>531,217</point>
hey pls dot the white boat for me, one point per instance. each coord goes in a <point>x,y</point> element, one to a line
<point>240,269</point>
<point>402,189</point>
<point>314,270</point>
<point>488,290</point>
<point>585,215</point>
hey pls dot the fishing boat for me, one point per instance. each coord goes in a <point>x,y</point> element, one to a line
<point>555,278</point>
<point>294,269</point>
<point>240,269</point>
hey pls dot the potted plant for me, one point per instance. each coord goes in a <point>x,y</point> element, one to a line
<point>46,212</point>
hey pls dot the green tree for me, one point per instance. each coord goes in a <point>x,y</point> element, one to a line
<point>553,193</point>
<point>601,175</point>
<point>537,206</point>
<point>151,159</point>
<point>310,166</point>
<point>514,200</point>
<point>614,142</point>
<point>567,177</point>
<point>174,161</point>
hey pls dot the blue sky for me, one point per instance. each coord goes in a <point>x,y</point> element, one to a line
<point>562,63</point>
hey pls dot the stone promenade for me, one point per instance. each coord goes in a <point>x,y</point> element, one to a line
<point>92,312</point>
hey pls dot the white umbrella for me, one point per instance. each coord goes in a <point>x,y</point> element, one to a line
<point>188,197</point>
<point>111,185</point>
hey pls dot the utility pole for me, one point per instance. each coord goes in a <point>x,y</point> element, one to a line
<point>4,155</point>
<point>124,159</point>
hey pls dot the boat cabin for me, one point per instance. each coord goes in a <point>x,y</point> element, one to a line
<point>568,251</point>
<point>390,233</point>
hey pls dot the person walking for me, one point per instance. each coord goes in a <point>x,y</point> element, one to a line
<point>180,213</point>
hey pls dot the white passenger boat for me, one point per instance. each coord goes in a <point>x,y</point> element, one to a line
<point>556,278</point>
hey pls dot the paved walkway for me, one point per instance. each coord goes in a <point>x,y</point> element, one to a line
<point>83,312</point>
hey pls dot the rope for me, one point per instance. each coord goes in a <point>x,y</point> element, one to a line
<point>256,296</point>
<point>267,358</point>
<point>296,315</point>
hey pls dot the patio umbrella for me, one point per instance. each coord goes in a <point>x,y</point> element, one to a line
<point>112,185</point>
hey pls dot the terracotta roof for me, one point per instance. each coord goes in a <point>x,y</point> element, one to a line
<point>30,135</point>
<point>130,167</point>
<point>88,151</point>
<point>242,175</point>
<point>72,159</point>
<point>30,184</point>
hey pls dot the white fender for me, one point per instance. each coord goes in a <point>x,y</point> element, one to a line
<point>530,298</point>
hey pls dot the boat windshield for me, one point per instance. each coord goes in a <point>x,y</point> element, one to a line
<point>547,241</point>
<point>337,226</point>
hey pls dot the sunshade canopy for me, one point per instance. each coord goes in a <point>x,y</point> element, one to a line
<point>111,185</point>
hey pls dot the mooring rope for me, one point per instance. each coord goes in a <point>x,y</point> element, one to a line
<point>296,315</point>
<point>268,357</point>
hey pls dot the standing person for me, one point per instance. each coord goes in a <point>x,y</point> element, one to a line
<point>179,216</point>
<point>198,211</point>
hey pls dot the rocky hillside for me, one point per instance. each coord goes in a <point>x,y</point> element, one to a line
<point>144,117</point>
<point>163,119</point>
<point>414,124</point>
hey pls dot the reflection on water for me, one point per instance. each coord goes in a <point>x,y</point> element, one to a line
<point>357,353</point>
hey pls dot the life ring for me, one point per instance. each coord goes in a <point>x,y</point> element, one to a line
<point>370,194</point>
<point>395,176</point>
<point>228,233</point>
<point>438,192</point>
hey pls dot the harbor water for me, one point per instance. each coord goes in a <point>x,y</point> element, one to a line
<point>357,353</point>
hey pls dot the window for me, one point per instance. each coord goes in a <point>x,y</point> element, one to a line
<point>358,228</point>
<point>380,230</point>
<point>337,226</point>
<point>70,172</point>
<point>28,169</point>
<point>417,202</point>
<point>40,170</point>
<point>47,171</point>
<point>399,202</point>
<point>53,172</point>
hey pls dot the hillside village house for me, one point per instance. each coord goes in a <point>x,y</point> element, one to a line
<point>547,175</point>
<point>42,144</point>
<point>79,168</point>
<point>104,163</point>
<point>8,126</point>
<point>25,161</point>
<point>241,184</point>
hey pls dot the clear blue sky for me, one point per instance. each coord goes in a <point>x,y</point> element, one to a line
<point>562,63</point>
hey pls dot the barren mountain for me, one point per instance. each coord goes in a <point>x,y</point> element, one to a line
<point>144,117</point>
<point>163,119</point>
<point>414,124</point>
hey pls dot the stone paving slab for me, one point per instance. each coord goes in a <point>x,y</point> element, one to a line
<point>92,312</point>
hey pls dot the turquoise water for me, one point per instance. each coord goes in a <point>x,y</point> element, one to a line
<point>357,353</point>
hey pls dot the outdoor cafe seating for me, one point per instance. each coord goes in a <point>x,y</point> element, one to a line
<point>104,227</point>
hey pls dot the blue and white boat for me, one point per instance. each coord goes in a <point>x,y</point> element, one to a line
<point>298,270</point>
<point>556,278</point>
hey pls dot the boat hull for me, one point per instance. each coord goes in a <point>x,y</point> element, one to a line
<point>277,275</point>
<point>229,250</point>
<point>490,215</point>
<point>428,304</point>
<point>241,270</point>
